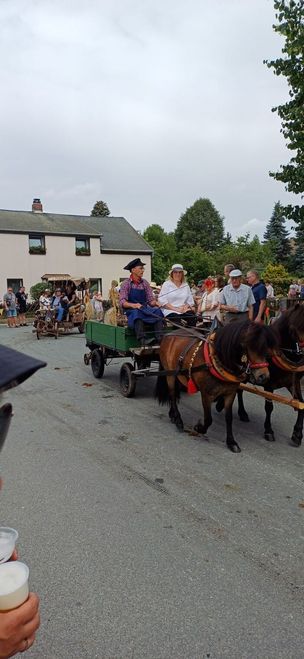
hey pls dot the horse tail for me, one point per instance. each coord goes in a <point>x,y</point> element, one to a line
<point>162,392</point>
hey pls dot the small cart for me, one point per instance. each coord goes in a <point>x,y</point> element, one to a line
<point>108,342</point>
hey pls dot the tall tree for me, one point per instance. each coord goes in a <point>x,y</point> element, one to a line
<point>200,225</point>
<point>276,234</point>
<point>100,209</point>
<point>290,25</point>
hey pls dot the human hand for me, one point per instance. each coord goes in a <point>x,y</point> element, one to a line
<point>137,305</point>
<point>18,627</point>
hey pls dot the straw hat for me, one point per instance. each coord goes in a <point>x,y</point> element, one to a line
<point>177,267</point>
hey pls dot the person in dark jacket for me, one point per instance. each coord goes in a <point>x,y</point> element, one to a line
<point>21,298</point>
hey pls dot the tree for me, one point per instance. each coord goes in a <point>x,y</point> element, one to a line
<point>164,247</point>
<point>37,289</point>
<point>200,225</point>
<point>197,263</point>
<point>278,276</point>
<point>100,209</point>
<point>289,14</point>
<point>276,234</point>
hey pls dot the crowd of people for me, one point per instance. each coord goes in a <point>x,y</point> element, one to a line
<point>226,299</point>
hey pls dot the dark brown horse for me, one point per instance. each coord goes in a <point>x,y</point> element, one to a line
<point>286,368</point>
<point>232,354</point>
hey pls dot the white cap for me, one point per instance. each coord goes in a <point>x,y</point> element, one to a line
<point>178,267</point>
<point>235,273</point>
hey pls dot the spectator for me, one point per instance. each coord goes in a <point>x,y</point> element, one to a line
<point>293,290</point>
<point>18,627</point>
<point>227,269</point>
<point>21,298</point>
<point>236,299</point>
<point>260,294</point>
<point>10,305</point>
<point>200,292</point>
<point>98,306</point>
<point>269,288</point>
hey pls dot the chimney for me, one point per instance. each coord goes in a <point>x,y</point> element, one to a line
<point>37,206</point>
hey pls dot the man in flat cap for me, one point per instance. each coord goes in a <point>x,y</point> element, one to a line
<point>18,627</point>
<point>137,299</point>
<point>236,299</point>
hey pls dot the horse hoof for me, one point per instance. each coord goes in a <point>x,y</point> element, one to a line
<point>199,428</point>
<point>296,440</point>
<point>234,448</point>
<point>244,418</point>
<point>269,436</point>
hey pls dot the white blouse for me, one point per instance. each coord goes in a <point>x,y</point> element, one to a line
<point>174,295</point>
<point>208,300</point>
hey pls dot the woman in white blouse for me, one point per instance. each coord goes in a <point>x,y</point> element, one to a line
<point>176,298</point>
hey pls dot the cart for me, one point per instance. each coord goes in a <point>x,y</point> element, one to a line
<point>45,323</point>
<point>109,342</point>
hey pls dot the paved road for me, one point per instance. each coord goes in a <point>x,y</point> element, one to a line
<point>205,562</point>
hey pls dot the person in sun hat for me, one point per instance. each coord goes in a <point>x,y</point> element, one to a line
<point>18,626</point>
<point>236,299</point>
<point>138,302</point>
<point>176,298</point>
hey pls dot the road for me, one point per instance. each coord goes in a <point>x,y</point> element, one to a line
<point>142,542</point>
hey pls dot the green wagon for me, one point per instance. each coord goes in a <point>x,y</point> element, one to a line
<point>108,342</point>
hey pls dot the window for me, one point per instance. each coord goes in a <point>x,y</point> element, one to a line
<point>82,246</point>
<point>95,285</point>
<point>14,284</point>
<point>36,244</point>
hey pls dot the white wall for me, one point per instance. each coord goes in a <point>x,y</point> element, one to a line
<point>60,257</point>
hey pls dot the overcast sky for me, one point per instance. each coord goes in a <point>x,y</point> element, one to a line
<point>146,104</point>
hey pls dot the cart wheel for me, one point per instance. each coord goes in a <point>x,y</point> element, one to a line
<point>127,380</point>
<point>81,328</point>
<point>97,363</point>
<point>86,359</point>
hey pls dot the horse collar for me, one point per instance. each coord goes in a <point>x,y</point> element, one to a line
<point>215,367</point>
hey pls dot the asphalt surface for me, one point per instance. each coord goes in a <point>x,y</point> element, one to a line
<point>143,542</point>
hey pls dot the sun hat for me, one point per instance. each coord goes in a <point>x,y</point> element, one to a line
<point>177,267</point>
<point>235,273</point>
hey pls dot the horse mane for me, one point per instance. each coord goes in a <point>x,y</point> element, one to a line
<point>233,340</point>
<point>289,324</point>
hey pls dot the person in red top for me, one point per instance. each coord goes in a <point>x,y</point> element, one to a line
<point>137,300</point>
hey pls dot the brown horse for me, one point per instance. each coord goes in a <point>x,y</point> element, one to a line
<point>286,368</point>
<point>216,367</point>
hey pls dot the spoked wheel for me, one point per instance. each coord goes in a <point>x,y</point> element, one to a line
<point>86,359</point>
<point>40,328</point>
<point>81,327</point>
<point>97,363</point>
<point>127,380</point>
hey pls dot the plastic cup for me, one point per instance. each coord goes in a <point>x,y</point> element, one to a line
<point>14,588</point>
<point>8,539</point>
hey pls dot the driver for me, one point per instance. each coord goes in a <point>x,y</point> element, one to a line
<point>137,300</point>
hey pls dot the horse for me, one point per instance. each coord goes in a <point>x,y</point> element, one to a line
<point>286,368</point>
<point>215,366</point>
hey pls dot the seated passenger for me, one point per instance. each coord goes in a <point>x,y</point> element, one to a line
<point>137,299</point>
<point>71,295</point>
<point>59,302</point>
<point>176,299</point>
<point>45,300</point>
<point>209,307</point>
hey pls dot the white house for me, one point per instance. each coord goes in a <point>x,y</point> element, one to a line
<point>34,243</point>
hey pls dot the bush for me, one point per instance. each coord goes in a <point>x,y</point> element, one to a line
<point>37,290</point>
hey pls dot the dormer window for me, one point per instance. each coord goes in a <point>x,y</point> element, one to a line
<point>36,244</point>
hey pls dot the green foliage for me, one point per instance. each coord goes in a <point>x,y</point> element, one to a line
<point>278,276</point>
<point>244,254</point>
<point>37,290</point>
<point>290,25</point>
<point>100,209</point>
<point>276,234</point>
<point>164,247</point>
<point>198,263</point>
<point>200,225</point>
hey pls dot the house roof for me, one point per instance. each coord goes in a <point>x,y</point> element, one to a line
<point>117,234</point>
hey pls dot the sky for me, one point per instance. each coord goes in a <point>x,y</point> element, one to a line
<point>145,104</point>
